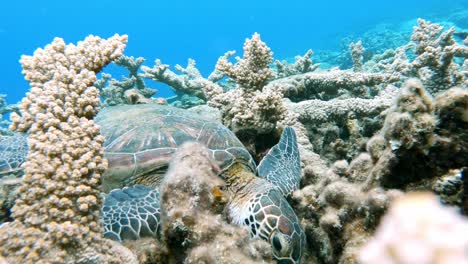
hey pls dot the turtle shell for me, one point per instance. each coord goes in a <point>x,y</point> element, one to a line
<point>13,151</point>
<point>141,139</point>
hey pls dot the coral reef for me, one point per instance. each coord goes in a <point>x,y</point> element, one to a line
<point>342,205</point>
<point>57,211</point>
<point>418,147</point>
<point>417,229</point>
<point>396,122</point>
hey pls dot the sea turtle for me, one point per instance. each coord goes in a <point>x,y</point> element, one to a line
<point>13,151</point>
<point>140,141</point>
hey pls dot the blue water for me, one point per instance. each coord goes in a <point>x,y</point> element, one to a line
<point>176,30</point>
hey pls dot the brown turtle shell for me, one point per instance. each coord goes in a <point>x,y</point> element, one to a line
<point>141,139</point>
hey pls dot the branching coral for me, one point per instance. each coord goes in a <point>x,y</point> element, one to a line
<point>301,65</point>
<point>251,105</point>
<point>252,71</point>
<point>188,83</point>
<point>435,51</point>
<point>131,90</point>
<point>57,212</point>
<point>434,64</point>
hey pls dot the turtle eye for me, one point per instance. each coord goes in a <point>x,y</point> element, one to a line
<point>277,244</point>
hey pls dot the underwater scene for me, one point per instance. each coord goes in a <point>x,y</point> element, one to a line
<point>288,132</point>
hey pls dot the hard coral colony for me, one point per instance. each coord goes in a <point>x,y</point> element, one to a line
<point>140,181</point>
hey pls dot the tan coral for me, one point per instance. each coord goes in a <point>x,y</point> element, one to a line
<point>57,212</point>
<point>417,229</point>
<point>251,105</point>
<point>252,71</point>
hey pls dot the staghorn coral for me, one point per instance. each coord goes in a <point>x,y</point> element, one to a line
<point>131,90</point>
<point>301,65</point>
<point>417,229</point>
<point>188,83</point>
<point>191,211</point>
<point>435,51</point>
<point>57,212</point>
<point>433,58</point>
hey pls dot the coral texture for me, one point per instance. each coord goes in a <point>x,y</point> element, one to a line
<point>57,212</point>
<point>417,229</point>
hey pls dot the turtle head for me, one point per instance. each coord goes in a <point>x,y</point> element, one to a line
<point>271,218</point>
<point>286,248</point>
<point>287,239</point>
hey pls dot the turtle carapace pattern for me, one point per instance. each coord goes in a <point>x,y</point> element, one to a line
<point>13,152</point>
<point>131,213</point>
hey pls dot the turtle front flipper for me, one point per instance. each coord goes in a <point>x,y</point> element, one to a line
<point>282,166</point>
<point>131,213</point>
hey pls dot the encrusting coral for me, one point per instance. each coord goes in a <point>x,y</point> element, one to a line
<point>57,212</point>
